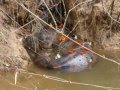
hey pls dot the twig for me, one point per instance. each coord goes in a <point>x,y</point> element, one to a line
<point>27,24</point>
<point>71,31</point>
<point>112,6</point>
<point>71,10</point>
<point>14,84</point>
<point>2,35</point>
<point>69,82</point>
<point>74,28</point>
<point>10,17</point>
<point>16,76</point>
<point>109,14</point>
<point>64,7</point>
<point>51,14</point>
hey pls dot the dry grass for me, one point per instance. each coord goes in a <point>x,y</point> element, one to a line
<point>12,54</point>
<point>98,21</point>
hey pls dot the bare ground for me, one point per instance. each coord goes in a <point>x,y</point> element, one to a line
<point>12,53</point>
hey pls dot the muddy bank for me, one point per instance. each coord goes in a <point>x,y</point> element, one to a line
<point>94,21</point>
<point>97,21</point>
<point>12,53</point>
<point>90,21</point>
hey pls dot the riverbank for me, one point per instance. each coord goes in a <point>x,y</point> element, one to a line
<point>12,53</point>
<point>12,21</point>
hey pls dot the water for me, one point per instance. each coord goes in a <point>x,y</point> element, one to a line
<point>104,73</point>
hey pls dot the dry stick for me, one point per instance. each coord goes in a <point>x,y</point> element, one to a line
<point>66,35</point>
<point>64,7</point>
<point>16,76</point>
<point>59,12</point>
<point>118,16</point>
<point>2,35</point>
<point>112,7</point>
<point>67,81</point>
<point>67,18</point>
<point>75,2</point>
<point>76,11</point>
<point>15,85</point>
<point>27,24</point>
<point>10,17</point>
<point>31,83</point>
<point>71,10</point>
<point>74,28</point>
<point>71,31</point>
<point>50,14</point>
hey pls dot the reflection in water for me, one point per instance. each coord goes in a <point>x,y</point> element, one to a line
<point>104,73</point>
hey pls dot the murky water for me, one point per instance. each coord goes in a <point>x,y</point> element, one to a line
<point>104,73</point>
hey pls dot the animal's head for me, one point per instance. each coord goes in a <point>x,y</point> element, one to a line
<point>46,37</point>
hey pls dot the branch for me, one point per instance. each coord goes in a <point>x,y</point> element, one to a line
<point>51,14</point>
<point>67,81</point>
<point>27,24</point>
<point>71,10</point>
<point>109,14</point>
<point>10,83</point>
<point>64,7</point>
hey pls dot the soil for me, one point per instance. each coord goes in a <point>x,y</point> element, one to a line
<point>12,53</point>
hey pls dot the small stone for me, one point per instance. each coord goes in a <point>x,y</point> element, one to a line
<point>75,37</point>
<point>90,60</point>
<point>58,56</point>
